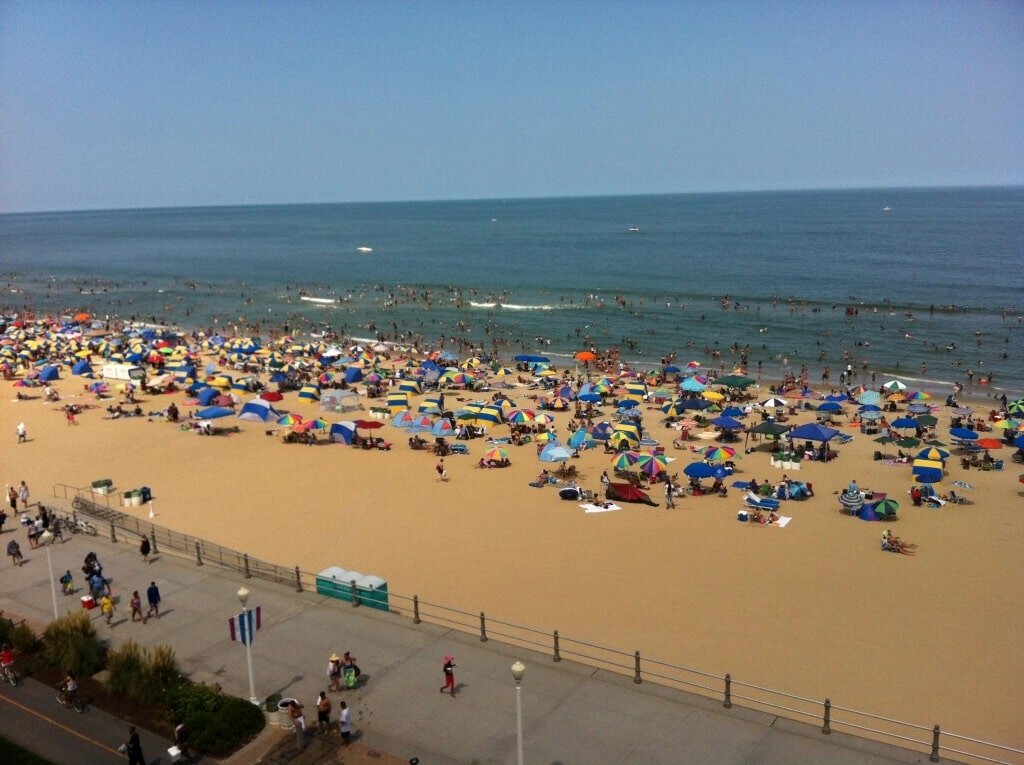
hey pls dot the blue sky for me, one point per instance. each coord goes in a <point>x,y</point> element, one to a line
<point>146,104</point>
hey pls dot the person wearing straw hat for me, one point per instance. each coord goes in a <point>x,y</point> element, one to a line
<point>449,675</point>
<point>334,672</point>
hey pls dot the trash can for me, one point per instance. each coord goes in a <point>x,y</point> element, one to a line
<point>285,718</point>
<point>146,494</point>
<point>126,499</point>
<point>334,583</point>
<point>373,592</point>
<point>136,498</point>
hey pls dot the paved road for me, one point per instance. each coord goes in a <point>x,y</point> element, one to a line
<point>571,713</point>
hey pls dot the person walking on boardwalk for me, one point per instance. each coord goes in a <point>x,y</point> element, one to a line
<point>334,672</point>
<point>133,748</point>
<point>153,597</point>
<point>323,713</point>
<point>449,675</point>
<point>345,724</point>
<point>107,609</point>
<point>144,549</point>
<point>136,605</point>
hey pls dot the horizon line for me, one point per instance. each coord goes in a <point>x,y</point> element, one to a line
<point>937,187</point>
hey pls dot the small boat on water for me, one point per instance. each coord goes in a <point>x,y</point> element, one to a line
<point>364,249</point>
<point>321,301</point>
<point>634,229</point>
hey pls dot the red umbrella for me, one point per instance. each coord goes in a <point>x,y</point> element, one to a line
<point>271,395</point>
<point>989,443</point>
<point>369,424</point>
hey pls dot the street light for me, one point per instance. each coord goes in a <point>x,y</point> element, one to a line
<point>245,619</point>
<point>518,670</point>
<point>46,539</point>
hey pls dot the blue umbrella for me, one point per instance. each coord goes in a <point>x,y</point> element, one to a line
<point>834,397</point>
<point>927,475</point>
<point>869,397</point>
<point>693,385</point>
<point>581,438</point>
<point>870,408</point>
<point>904,422</point>
<point>919,409</point>
<point>963,434</point>
<point>590,398</point>
<point>555,452</point>
<point>699,470</point>
<point>531,358</point>
<point>694,403</point>
<point>727,423</point>
<point>830,406</point>
<point>1019,442</point>
<point>671,369</point>
<point>732,411</point>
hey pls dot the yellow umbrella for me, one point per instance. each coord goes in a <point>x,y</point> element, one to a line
<point>713,395</point>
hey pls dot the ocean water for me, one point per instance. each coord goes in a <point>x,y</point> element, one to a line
<point>926,284</point>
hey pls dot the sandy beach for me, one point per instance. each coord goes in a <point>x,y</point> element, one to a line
<point>815,608</point>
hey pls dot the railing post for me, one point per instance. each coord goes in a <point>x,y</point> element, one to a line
<point>152,539</point>
<point>298,580</point>
<point>199,557</point>
<point>355,594</point>
<point>636,668</point>
<point>483,628</point>
<point>728,691</point>
<point>557,655</point>
<point>245,565</point>
<point>113,532</point>
<point>935,744</point>
<point>415,609</point>
<point>826,727</point>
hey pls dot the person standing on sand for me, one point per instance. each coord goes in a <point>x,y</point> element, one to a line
<point>22,433</point>
<point>442,473</point>
<point>23,496</point>
<point>12,499</point>
<point>449,675</point>
<point>670,500</point>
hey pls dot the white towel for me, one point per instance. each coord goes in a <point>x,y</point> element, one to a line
<point>591,508</point>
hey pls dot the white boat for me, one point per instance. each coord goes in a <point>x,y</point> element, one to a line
<point>322,301</point>
<point>364,249</point>
<point>634,229</point>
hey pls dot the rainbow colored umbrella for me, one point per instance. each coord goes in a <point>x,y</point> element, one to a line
<point>290,419</point>
<point>625,460</point>
<point>520,416</point>
<point>719,453</point>
<point>652,464</point>
<point>497,454</point>
<point>317,424</point>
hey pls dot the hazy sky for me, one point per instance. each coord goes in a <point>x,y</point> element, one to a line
<point>143,104</point>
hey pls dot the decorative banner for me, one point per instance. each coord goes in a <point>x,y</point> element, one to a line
<point>241,627</point>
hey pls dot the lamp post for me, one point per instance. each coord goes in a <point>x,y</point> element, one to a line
<point>518,670</point>
<point>246,618</point>
<point>46,539</point>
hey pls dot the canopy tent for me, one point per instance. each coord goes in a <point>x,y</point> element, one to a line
<point>342,432</point>
<point>813,432</point>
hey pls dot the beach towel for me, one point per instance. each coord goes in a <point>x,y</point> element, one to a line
<point>592,508</point>
<point>962,485</point>
<point>741,484</point>
<point>782,522</point>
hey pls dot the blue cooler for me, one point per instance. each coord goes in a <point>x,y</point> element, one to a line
<point>742,516</point>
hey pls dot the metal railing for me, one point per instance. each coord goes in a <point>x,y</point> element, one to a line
<point>722,688</point>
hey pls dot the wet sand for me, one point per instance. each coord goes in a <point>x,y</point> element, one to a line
<point>815,608</point>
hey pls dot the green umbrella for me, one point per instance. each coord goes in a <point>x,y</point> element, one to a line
<point>887,507</point>
<point>935,442</point>
<point>927,419</point>
<point>908,443</point>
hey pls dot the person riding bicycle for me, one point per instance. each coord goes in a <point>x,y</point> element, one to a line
<point>7,658</point>
<point>69,689</point>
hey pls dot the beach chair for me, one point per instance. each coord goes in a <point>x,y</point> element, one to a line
<point>755,502</point>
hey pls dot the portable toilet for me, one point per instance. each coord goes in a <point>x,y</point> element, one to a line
<point>373,592</point>
<point>334,583</point>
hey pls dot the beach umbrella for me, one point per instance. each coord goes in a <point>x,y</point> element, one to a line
<point>496,454</point>
<point>813,432</point>
<point>963,411</point>
<point>735,381</point>
<point>532,358</point>
<point>773,403</point>
<point>316,424</point>
<point>651,464</point>
<point>922,464</point>
<point>692,385</point>
<point>989,443</point>
<point>698,470</point>
<point>933,453</point>
<point>732,411</point>
<point>1016,407</point>
<point>963,434</point>
<point>1006,424</point>
<point>545,437</point>
<point>895,385</point>
<point>887,507</point>
<point>871,414</point>
<point>919,395</point>
<point>624,460</point>
<point>310,393</point>
<point>904,422</point>
<point>727,423</point>
<point>713,395</point>
<point>908,443</point>
<point>830,406</point>
<point>581,439</point>
<point>719,453</point>
<point>489,415</point>
<point>927,475</point>
<point>628,430</point>
<point>555,452</point>
<point>1019,442</point>
<point>290,419</point>
<point>837,397</point>
<point>869,397</point>
<point>919,408</point>
<point>852,501</point>
<point>935,442</point>
<point>590,398</point>
<point>928,420</point>
<point>694,403</point>
<point>558,403</point>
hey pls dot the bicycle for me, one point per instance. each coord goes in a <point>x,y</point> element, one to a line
<point>78,526</point>
<point>73,701</point>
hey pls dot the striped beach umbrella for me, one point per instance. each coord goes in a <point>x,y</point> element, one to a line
<point>628,430</point>
<point>520,416</point>
<point>852,501</point>
<point>497,454</point>
<point>489,415</point>
<point>719,453</point>
<point>1016,407</point>
<point>933,453</point>
<point>409,386</point>
<point>651,464</point>
<point>310,393</point>
<point>290,419</point>
<point>625,460</point>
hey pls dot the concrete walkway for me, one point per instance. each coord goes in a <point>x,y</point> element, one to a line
<point>571,713</point>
